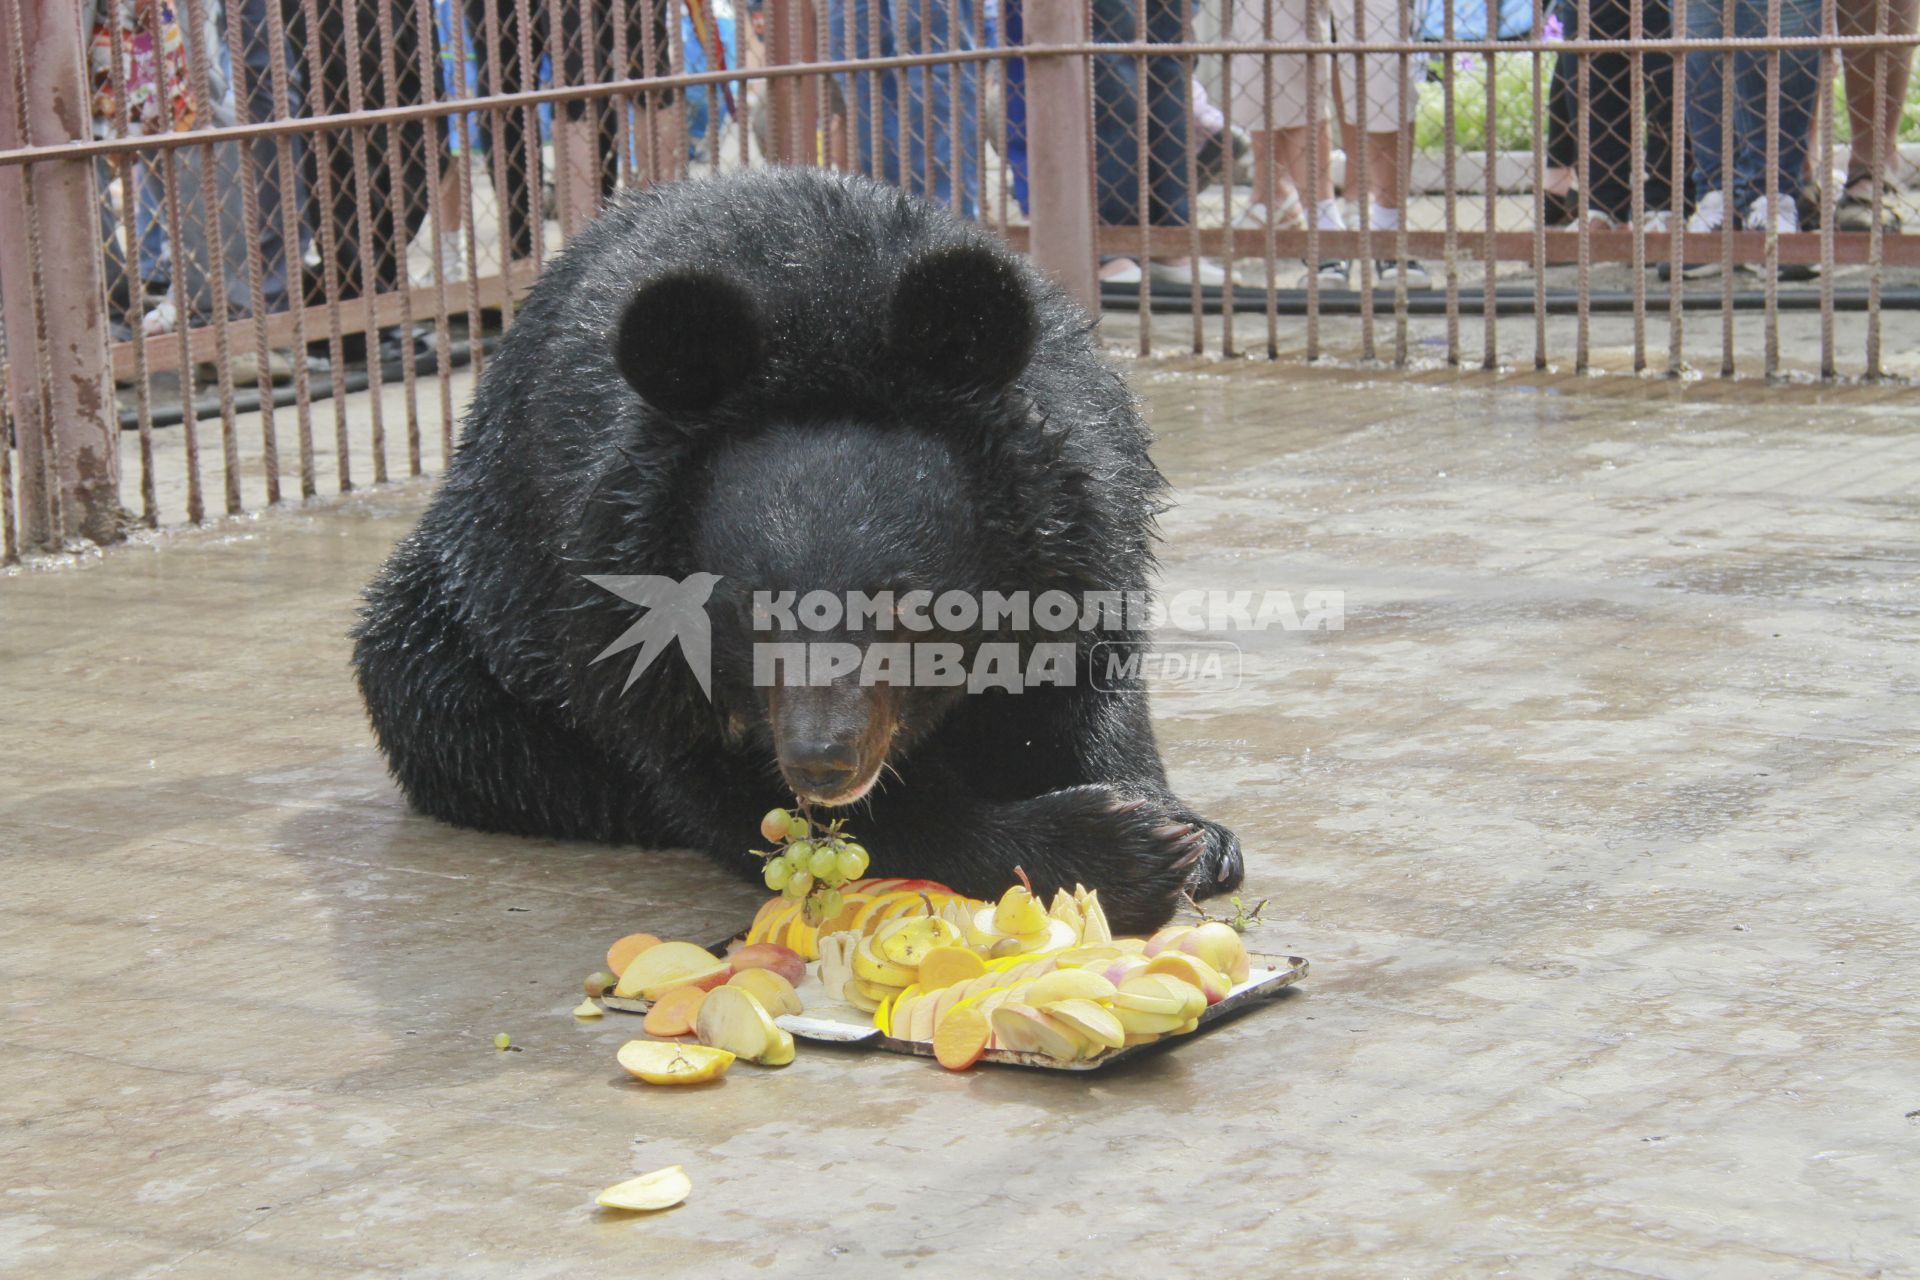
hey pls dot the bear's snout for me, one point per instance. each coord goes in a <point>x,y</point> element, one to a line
<point>831,740</point>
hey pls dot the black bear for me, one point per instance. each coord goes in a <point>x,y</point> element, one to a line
<point>724,395</point>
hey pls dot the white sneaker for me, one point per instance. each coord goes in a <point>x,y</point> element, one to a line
<point>1709,215</point>
<point>1121,271</point>
<point>1204,270</point>
<point>1785,221</point>
<point>1659,222</point>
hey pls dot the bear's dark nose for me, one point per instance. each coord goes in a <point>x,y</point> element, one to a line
<point>824,769</point>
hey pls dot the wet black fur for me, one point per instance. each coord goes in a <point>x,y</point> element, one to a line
<point>846,388</point>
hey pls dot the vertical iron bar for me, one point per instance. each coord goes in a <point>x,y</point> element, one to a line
<point>256,260</point>
<point>199,93</point>
<point>1060,152</point>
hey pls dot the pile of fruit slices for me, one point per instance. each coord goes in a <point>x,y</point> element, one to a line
<point>931,966</point>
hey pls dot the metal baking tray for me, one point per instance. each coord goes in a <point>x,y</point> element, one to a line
<point>834,1022</point>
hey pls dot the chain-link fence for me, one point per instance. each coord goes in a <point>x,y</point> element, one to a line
<point>285,232</point>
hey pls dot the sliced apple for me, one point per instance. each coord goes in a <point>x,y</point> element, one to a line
<point>666,1062</point>
<point>648,1193</point>
<point>1220,946</point>
<point>1192,970</point>
<point>1025,1029</point>
<point>772,990</point>
<point>1095,1022</point>
<point>1146,994</point>
<point>1165,939</point>
<point>732,1019</point>
<point>1094,927</point>
<point>667,965</point>
<point>1144,1022</point>
<point>674,1012</point>
<point>621,953</point>
<point>1069,984</point>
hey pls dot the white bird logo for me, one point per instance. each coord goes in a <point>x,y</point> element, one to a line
<point>675,611</point>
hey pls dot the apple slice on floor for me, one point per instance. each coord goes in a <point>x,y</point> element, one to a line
<point>667,965</point>
<point>648,1193</point>
<point>773,991</point>
<point>667,1062</point>
<point>1095,1022</point>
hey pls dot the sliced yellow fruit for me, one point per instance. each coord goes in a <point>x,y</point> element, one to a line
<point>587,1009</point>
<point>907,941</point>
<point>945,966</point>
<point>1069,984</point>
<point>664,1062</point>
<point>1094,1021</point>
<point>961,1038</point>
<point>661,1189</point>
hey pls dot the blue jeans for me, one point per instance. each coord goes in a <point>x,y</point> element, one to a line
<point>916,106</point>
<point>1118,101</point>
<point>1706,76</point>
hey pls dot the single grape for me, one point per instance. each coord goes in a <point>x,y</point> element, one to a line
<point>777,874</point>
<point>796,826</point>
<point>831,903</point>
<point>853,862</point>
<point>824,862</point>
<point>799,885</point>
<point>798,860</point>
<point>774,826</point>
<point>803,851</point>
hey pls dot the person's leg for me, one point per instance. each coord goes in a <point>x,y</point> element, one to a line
<point>1799,83</point>
<point>1706,83</point>
<point>929,105</point>
<point>1609,109</point>
<point>402,159</point>
<point>1169,99</point>
<point>263,154</point>
<point>1656,23</point>
<point>1875,134</point>
<point>493,26</point>
<point>1562,135</point>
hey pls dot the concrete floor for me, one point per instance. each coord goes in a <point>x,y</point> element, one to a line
<point>1596,822</point>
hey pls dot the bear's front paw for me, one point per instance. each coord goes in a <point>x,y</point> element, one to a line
<point>1220,869</point>
<point>1138,848</point>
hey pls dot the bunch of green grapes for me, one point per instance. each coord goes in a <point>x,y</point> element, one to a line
<point>807,865</point>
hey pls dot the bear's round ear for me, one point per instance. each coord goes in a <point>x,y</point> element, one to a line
<point>962,318</point>
<point>687,340</point>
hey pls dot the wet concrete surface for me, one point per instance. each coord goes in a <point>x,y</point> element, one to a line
<point>1596,821</point>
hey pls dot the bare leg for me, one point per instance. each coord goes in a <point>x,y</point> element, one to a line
<point>1876,139</point>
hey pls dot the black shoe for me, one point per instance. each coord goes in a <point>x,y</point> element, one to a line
<point>1560,209</point>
